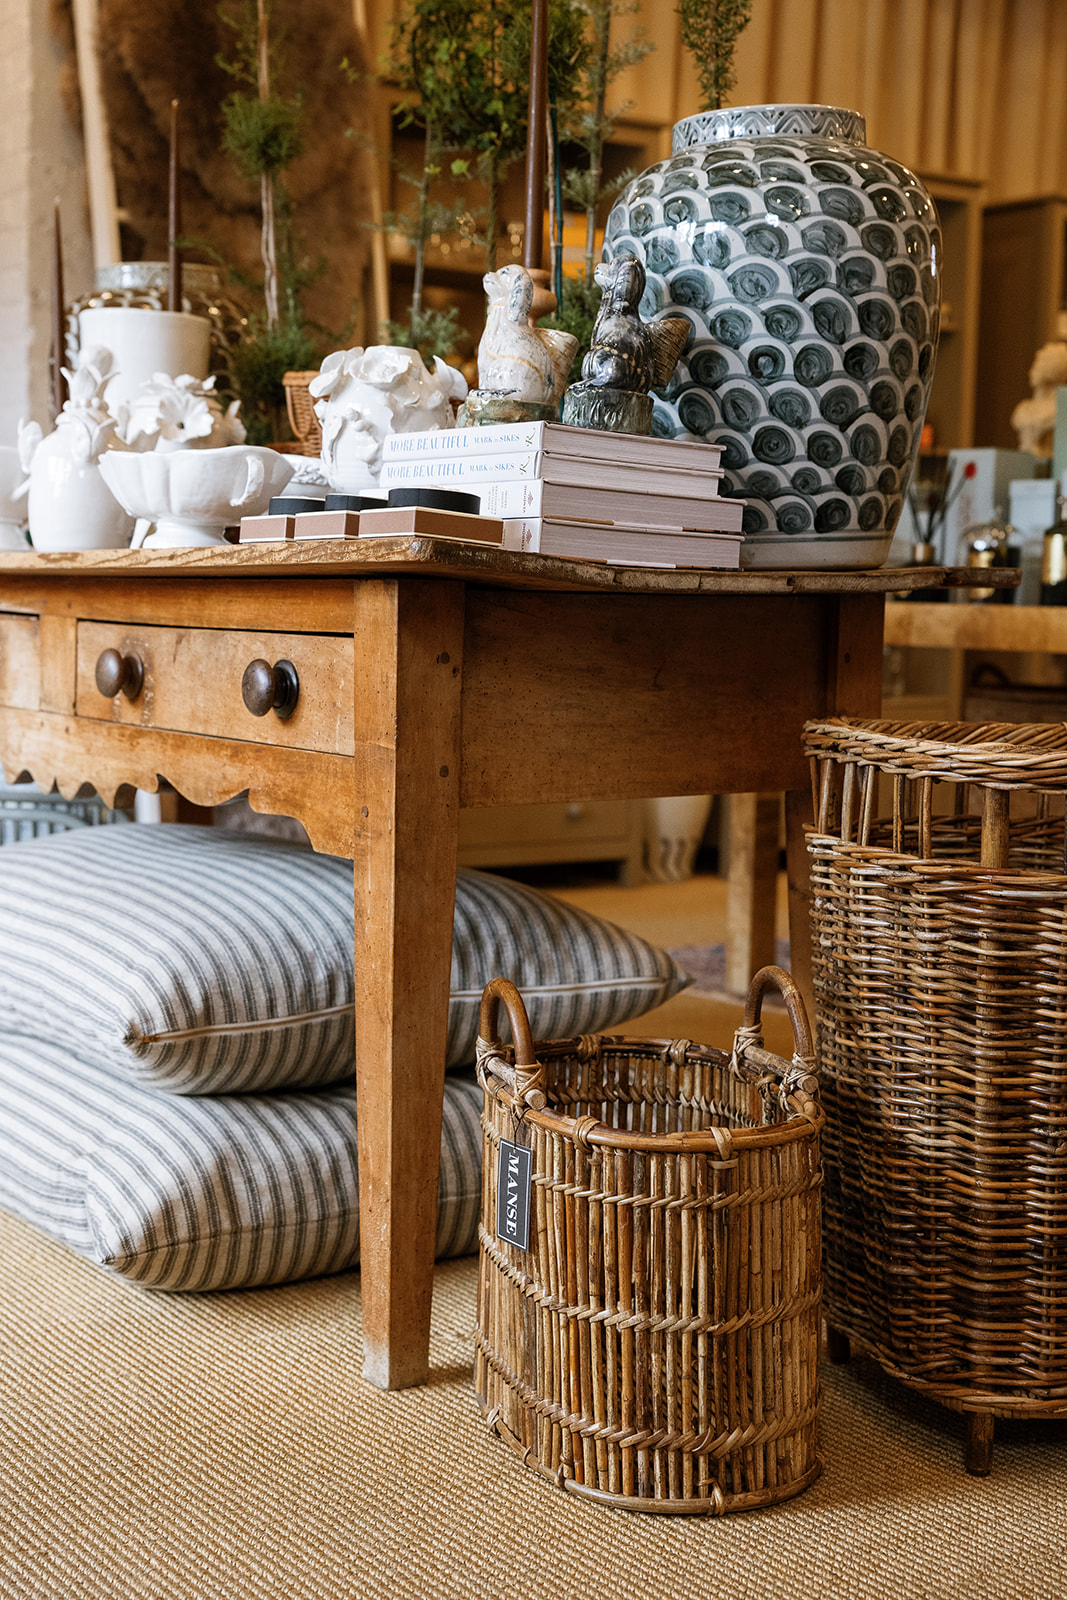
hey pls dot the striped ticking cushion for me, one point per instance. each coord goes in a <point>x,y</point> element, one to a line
<point>223,1192</point>
<point>207,962</point>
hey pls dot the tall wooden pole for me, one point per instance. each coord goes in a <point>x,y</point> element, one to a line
<point>534,236</point>
<point>174,219</point>
<point>103,215</point>
<point>59,340</point>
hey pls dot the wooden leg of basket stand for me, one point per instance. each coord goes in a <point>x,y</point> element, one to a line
<point>797,814</point>
<point>978,1447</point>
<point>838,1345</point>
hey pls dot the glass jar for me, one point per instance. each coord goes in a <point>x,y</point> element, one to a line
<point>986,544</point>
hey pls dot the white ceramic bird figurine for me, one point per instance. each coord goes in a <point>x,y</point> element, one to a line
<point>515,357</point>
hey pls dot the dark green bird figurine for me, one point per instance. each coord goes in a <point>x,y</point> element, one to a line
<point>626,357</point>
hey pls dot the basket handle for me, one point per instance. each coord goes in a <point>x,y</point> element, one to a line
<point>526,1079</point>
<point>776,978</point>
<point>798,1081</point>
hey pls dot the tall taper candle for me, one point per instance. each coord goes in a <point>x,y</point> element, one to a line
<point>174,221</point>
<point>59,342</point>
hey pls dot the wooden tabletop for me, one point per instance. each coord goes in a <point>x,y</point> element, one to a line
<point>416,555</point>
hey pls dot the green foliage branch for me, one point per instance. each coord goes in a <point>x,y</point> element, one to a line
<point>447,57</point>
<point>591,125</point>
<point>262,132</point>
<point>595,123</point>
<point>710,31</point>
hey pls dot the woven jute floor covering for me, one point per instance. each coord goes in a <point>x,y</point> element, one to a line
<point>225,1447</point>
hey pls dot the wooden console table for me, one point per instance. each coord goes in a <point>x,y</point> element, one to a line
<point>431,677</point>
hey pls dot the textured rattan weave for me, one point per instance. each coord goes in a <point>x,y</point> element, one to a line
<point>656,1348</point>
<point>939,925</point>
<point>301,408</point>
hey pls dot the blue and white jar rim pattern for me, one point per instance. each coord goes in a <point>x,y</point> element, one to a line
<point>756,122</point>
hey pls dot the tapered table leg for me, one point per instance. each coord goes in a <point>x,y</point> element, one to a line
<point>408,671</point>
<point>752,877</point>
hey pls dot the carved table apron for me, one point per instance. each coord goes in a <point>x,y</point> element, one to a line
<point>432,676</point>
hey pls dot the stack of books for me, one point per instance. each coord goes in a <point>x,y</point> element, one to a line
<point>559,490</point>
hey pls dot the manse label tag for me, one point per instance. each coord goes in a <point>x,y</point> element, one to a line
<point>513,1186</point>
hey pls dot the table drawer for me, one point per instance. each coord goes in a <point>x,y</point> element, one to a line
<point>192,683</point>
<point>20,662</point>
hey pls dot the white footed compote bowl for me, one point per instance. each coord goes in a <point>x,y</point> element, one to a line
<point>191,496</point>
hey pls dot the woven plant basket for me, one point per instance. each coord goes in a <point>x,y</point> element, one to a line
<point>939,923</point>
<point>301,409</point>
<point>656,1347</point>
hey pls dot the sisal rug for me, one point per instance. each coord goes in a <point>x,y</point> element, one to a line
<point>224,1447</point>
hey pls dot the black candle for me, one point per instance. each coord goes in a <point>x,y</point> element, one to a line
<point>59,353</point>
<point>174,265</point>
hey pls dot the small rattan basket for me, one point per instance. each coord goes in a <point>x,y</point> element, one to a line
<point>301,409</point>
<point>656,1346</point>
<point>939,928</point>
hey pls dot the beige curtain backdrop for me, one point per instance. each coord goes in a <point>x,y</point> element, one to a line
<point>972,88</point>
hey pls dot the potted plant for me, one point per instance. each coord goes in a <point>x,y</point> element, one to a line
<point>263,133</point>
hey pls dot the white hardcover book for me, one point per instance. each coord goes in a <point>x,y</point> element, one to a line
<point>442,471</point>
<point>525,466</point>
<point>541,499</point>
<point>555,438</point>
<point>612,542</point>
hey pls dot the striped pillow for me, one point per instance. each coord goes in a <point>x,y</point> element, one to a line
<point>206,962</point>
<point>212,1193</point>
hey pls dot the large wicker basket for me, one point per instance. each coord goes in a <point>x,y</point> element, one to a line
<point>656,1347</point>
<point>939,924</point>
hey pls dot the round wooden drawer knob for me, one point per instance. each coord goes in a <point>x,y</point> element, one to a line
<point>119,674</point>
<point>265,688</point>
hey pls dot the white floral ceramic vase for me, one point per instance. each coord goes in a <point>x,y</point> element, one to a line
<point>182,413</point>
<point>362,395</point>
<point>808,266</point>
<point>70,505</point>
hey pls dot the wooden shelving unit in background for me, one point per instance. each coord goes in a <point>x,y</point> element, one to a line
<point>952,400</point>
<point>1024,287</point>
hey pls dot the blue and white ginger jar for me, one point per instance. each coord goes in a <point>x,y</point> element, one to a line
<point>808,266</point>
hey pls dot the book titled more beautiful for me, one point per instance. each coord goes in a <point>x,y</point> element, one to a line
<point>554,439</point>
